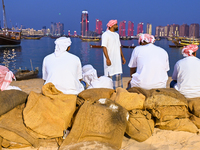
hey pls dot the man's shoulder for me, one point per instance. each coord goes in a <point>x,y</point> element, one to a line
<point>72,55</point>
<point>49,56</point>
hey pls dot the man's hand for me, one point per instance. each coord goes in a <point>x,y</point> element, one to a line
<point>108,62</point>
<point>123,60</point>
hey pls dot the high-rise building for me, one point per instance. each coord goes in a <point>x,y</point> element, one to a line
<point>160,31</point>
<point>44,30</point>
<point>122,28</point>
<point>69,33</point>
<point>84,23</point>
<point>57,29</point>
<point>174,30</point>
<point>75,34</point>
<point>130,28</point>
<point>184,30</point>
<point>140,28</point>
<point>98,29</point>
<point>149,29</point>
<point>167,30</point>
<point>194,30</point>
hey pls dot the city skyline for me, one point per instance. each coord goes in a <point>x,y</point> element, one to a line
<point>36,14</point>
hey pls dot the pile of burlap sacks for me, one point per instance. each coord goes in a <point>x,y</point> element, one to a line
<point>95,119</point>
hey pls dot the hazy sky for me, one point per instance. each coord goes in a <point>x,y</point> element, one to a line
<point>38,13</point>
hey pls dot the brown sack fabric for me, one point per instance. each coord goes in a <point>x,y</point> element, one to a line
<point>9,99</point>
<point>194,106</point>
<point>103,121</point>
<point>95,94</point>
<point>140,125</point>
<point>128,100</point>
<point>195,120</point>
<point>13,129</point>
<point>178,125</point>
<point>51,113</point>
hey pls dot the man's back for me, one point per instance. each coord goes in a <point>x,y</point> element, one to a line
<point>152,66</point>
<point>187,74</point>
<point>63,71</point>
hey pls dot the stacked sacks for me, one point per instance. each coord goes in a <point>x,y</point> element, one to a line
<point>140,125</point>
<point>194,108</point>
<point>169,107</point>
<point>100,123</point>
<point>50,113</point>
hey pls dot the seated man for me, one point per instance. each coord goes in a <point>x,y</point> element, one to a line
<point>148,64</point>
<point>63,69</point>
<point>186,74</point>
<point>90,77</point>
<point>6,77</point>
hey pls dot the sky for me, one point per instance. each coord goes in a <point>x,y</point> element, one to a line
<point>38,13</point>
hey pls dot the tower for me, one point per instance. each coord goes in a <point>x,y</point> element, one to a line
<point>184,30</point>
<point>84,23</point>
<point>98,29</point>
<point>122,28</point>
<point>130,28</point>
<point>194,30</point>
<point>149,29</point>
<point>140,28</point>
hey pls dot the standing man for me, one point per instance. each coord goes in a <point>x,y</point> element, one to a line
<point>186,74</point>
<point>113,56</point>
<point>148,64</point>
<point>63,69</point>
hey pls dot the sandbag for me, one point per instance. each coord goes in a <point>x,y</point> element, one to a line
<point>103,120</point>
<point>9,99</point>
<point>95,94</point>
<point>195,120</point>
<point>51,113</point>
<point>178,125</point>
<point>89,145</point>
<point>13,129</point>
<point>140,125</point>
<point>128,100</point>
<point>194,106</point>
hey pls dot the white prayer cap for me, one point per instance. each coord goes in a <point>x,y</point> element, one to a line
<point>62,44</point>
<point>89,74</point>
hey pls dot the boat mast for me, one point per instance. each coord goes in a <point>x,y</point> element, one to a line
<point>4,16</point>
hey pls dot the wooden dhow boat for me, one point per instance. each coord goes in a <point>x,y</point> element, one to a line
<point>26,74</point>
<point>99,46</point>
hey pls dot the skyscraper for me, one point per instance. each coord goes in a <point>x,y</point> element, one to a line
<point>140,28</point>
<point>184,30</point>
<point>130,28</point>
<point>167,30</point>
<point>98,29</point>
<point>160,31</point>
<point>84,23</point>
<point>149,29</point>
<point>194,30</point>
<point>174,30</point>
<point>122,28</point>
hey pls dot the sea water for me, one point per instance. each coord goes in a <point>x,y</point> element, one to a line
<point>30,54</point>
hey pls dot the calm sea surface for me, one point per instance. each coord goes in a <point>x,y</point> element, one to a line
<point>36,50</point>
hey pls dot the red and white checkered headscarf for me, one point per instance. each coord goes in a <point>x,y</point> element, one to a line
<point>147,38</point>
<point>111,23</point>
<point>5,77</point>
<point>189,49</point>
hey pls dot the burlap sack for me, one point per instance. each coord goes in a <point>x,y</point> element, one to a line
<point>51,113</point>
<point>178,125</point>
<point>140,125</point>
<point>89,145</point>
<point>195,120</point>
<point>194,106</point>
<point>95,94</point>
<point>128,100</point>
<point>103,121</point>
<point>9,99</point>
<point>12,128</point>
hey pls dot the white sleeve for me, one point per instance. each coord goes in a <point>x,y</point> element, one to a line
<point>104,40</point>
<point>44,71</point>
<point>133,60</point>
<point>79,70</point>
<point>167,64</point>
<point>175,72</point>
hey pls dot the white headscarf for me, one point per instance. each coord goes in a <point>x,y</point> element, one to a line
<point>62,44</point>
<point>89,74</point>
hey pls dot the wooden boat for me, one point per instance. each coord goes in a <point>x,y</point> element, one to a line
<point>90,38</point>
<point>26,74</point>
<point>32,37</point>
<point>9,37</point>
<point>99,46</point>
<point>175,46</point>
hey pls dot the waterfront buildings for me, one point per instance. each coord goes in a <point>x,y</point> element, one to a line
<point>149,29</point>
<point>84,23</point>
<point>140,28</point>
<point>160,31</point>
<point>184,30</point>
<point>98,29</point>
<point>167,30</point>
<point>174,30</point>
<point>130,29</point>
<point>122,29</point>
<point>57,29</point>
<point>194,30</point>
